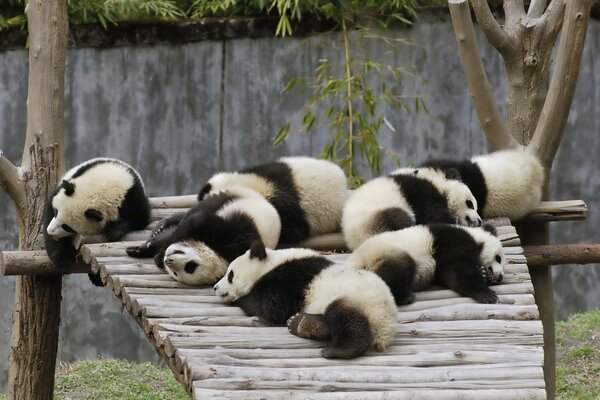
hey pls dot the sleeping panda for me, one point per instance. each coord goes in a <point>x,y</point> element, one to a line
<point>505,183</point>
<point>320,300</point>
<point>401,200</point>
<point>465,259</point>
<point>196,248</point>
<point>100,196</point>
<point>308,193</point>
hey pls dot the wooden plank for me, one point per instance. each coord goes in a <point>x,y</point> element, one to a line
<point>186,201</point>
<point>283,394</point>
<point>35,262</point>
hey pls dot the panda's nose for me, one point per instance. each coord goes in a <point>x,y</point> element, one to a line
<point>479,221</point>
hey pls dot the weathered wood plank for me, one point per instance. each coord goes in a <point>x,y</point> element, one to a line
<point>290,394</point>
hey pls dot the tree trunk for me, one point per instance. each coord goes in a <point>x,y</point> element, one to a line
<point>36,314</point>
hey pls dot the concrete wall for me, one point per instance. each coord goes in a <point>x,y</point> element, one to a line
<point>181,112</point>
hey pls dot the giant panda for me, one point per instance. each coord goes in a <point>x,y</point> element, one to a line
<point>403,199</point>
<point>465,259</point>
<point>506,183</point>
<point>100,196</point>
<point>319,299</point>
<point>196,248</point>
<point>308,193</point>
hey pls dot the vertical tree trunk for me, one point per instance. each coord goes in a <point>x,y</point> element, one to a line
<point>36,314</point>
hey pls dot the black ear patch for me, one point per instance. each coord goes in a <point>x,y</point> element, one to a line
<point>94,214</point>
<point>204,191</point>
<point>69,187</point>
<point>257,250</point>
<point>491,229</point>
<point>452,173</point>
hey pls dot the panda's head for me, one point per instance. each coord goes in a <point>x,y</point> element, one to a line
<point>462,203</point>
<point>76,213</point>
<point>194,263</point>
<point>491,256</point>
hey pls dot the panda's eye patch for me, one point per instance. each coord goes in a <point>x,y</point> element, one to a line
<point>67,228</point>
<point>191,266</point>
<point>230,277</point>
<point>177,252</point>
<point>498,259</point>
<point>470,204</point>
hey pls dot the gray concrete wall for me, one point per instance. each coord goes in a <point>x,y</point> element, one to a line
<point>179,113</point>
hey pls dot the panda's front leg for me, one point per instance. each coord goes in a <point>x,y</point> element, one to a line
<point>469,280</point>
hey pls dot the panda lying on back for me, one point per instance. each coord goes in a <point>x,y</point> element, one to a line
<point>506,183</point>
<point>352,308</point>
<point>197,247</point>
<point>100,196</point>
<point>401,200</point>
<point>464,259</point>
<point>308,194</point>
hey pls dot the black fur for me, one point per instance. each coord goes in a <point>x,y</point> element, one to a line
<point>204,191</point>
<point>228,237</point>
<point>457,257</point>
<point>279,294</point>
<point>350,331</point>
<point>69,187</point>
<point>286,200</point>
<point>426,202</point>
<point>491,229</point>
<point>398,273</point>
<point>470,175</point>
<point>391,219</point>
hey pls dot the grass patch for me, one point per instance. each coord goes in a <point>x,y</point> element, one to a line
<point>109,379</point>
<point>578,357</point>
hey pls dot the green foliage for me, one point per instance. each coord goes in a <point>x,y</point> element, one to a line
<point>578,357</point>
<point>108,379</point>
<point>346,98</point>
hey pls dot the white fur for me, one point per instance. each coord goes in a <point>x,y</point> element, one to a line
<point>492,247</point>
<point>102,187</point>
<point>364,203</point>
<point>514,181</point>
<point>359,288</point>
<point>416,241</point>
<point>321,186</point>
<point>211,266</point>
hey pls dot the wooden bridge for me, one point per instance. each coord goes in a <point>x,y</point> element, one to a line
<point>446,346</point>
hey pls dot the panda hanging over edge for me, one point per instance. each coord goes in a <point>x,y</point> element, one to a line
<point>99,196</point>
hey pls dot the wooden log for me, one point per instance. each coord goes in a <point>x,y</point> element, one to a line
<point>35,262</point>
<point>566,210</point>
<point>556,254</point>
<point>173,201</point>
<point>491,394</point>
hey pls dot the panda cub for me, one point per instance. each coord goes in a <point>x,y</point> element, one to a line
<point>197,247</point>
<point>505,183</point>
<point>403,199</point>
<point>464,259</point>
<point>308,193</point>
<point>320,300</point>
<point>100,196</point>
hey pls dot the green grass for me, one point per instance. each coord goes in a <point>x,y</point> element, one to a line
<point>578,357</point>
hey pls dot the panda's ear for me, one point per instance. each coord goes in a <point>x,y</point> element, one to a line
<point>452,173</point>
<point>257,250</point>
<point>69,187</point>
<point>491,229</point>
<point>204,191</point>
<point>92,213</point>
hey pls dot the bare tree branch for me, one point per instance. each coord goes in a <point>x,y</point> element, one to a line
<point>10,180</point>
<point>490,27</point>
<point>553,119</point>
<point>554,16</point>
<point>491,121</point>
<point>536,8</point>
<point>514,10</point>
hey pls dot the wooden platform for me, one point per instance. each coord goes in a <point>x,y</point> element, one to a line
<point>446,346</point>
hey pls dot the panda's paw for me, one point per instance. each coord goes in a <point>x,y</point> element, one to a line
<point>140,251</point>
<point>309,326</point>
<point>485,297</point>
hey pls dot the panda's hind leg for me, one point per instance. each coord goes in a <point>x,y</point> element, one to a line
<point>309,326</point>
<point>350,331</point>
<point>398,273</point>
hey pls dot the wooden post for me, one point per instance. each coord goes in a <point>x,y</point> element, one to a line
<point>36,314</point>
